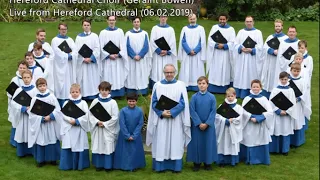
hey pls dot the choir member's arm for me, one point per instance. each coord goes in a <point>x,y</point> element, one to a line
<point>185,45</point>
<point>193,114</point>
<point>197,49</point>
<point>212,115</point>
<point>104,54</point>
<point>145,47</point>
<point>154,103</point>
<point>138,128</point>
<point>130,51</point>
<point>123,127</point>
<point>178,108</point>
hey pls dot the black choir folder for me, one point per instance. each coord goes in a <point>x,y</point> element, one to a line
<point>72,110</point>
<point>41,108</point>
<point>165,103</point>
<point>23,99</point>
<point>218,38</point>
<point>100,113</point>
<point>274,43</point>
<point>249,43</point>
<point>111,48</point>
<point>12,88</point>
<point>85,51</point>
<point>281,101</point>
<point>295,88</point>
<point>254,107</point>
<point>226,111</point>
<point>162,44</point>
<point>65,47</point>
<point>288,53</point>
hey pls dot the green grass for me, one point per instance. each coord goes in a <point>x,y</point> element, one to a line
<point>302,163</point>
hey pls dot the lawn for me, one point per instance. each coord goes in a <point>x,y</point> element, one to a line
<point>302,163</point>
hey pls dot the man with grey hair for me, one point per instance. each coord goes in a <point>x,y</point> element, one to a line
<point>168,130</point>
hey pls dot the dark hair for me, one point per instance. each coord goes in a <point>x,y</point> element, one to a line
<point>115,17</point>
<point>136,17</point>
<point>283,74</point>
<point>37,45</point>
<point>292,27</point>
<point>295,66</point>
<point>223,14</point>
<point>86,20</point>
<point>250,17</point>
<point>132,96</point>
<point>256,81</point>
<point>201,78</point>
<point>23,62</point>
<point>41,81</point>
<point>28,54</point>
<point>104,85</point>
<point>302,42</point>
<point>62,24</point>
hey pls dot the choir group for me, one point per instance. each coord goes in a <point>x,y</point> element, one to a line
<point>47,97</point>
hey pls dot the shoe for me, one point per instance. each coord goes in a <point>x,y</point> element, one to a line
<point>221,165</point>
<point>53,163</point>
<point>196,167</point>
<point>107,170</point>
<point>207,167</point>
<point>41,164</point>
<point>99,169</point>
<point>285,154</point>
<point>176,172</point>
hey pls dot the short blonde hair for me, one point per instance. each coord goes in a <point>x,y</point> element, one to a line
<point>295,66</point>
<point>75,86</point>
<point>297,55</point>
<point>278,21</point>
<point>231,91</point>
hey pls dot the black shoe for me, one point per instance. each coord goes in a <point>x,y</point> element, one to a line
<point>207,167</point>
<point>107,170</point>
<point>41,164</point>
<point>160,171</point>
<point>53,163</point>
<point>176,172</point>
<point>196,167</point>
<point>99,169</point>
<point>133,170</point>
<point>221,165</point>
<point>285,154</point>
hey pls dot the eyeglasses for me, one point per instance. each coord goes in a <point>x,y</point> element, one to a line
<point>169,72</point>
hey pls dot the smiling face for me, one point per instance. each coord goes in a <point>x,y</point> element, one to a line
<point>169,73</point>
<point>22,68</point>
<point>30,60</point>
<point>37,52</point>
<point>132,103</point>
<point>223,20</point>
<point>256,88</point>
<point>41,36</point>
<point>278,27</point>
<point>302,48</point>
<point>284,81</point>
<point>292,33</point>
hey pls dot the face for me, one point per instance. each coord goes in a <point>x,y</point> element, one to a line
<point>30,60</point>
<point>169,73</point>
<point>131,103</point>
<point>292,33</point>
<point>75,92</point>
<point>202,85</point>
<point>295,72</point>
<point>104,93</point>
<point>37,52</point>
<point>163,19</point>
<point>26,78</point>
<point>21,68</point>
<point>136,23</point>
<point>193,19</point>
<point>42,88</point>
<point>230,97</point>
<point>302,49</point>
<point>298,60</point>
<point>284,80</point>
<point>41,36</point>
<point>278,27</point>
<point>249,22</point>
<point>222,20</point>
<point>63,30</point>
<point>256,88</point>
<point>86,26</point>
<point>112,21</point>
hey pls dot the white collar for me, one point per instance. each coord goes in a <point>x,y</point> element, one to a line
<point>234,101</point>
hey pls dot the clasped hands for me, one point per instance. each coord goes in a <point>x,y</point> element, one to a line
<point>246,50</point>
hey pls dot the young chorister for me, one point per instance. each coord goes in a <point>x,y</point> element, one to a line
<point>18,115</point>
<point>257,127</point>
<point>283,102</point>
<point>15,82</point>
<point>45,63</point>
<point>32,66</point>
<point>104,128</point>
<point>303,106</point>
<point>44,125</point>
<point>74,128</point>
<point>129,153</point>
<point>228,125</point>
<point>203,145</point>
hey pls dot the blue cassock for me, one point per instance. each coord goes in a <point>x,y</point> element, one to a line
<point>129,155</point>
<point>203,145</point>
